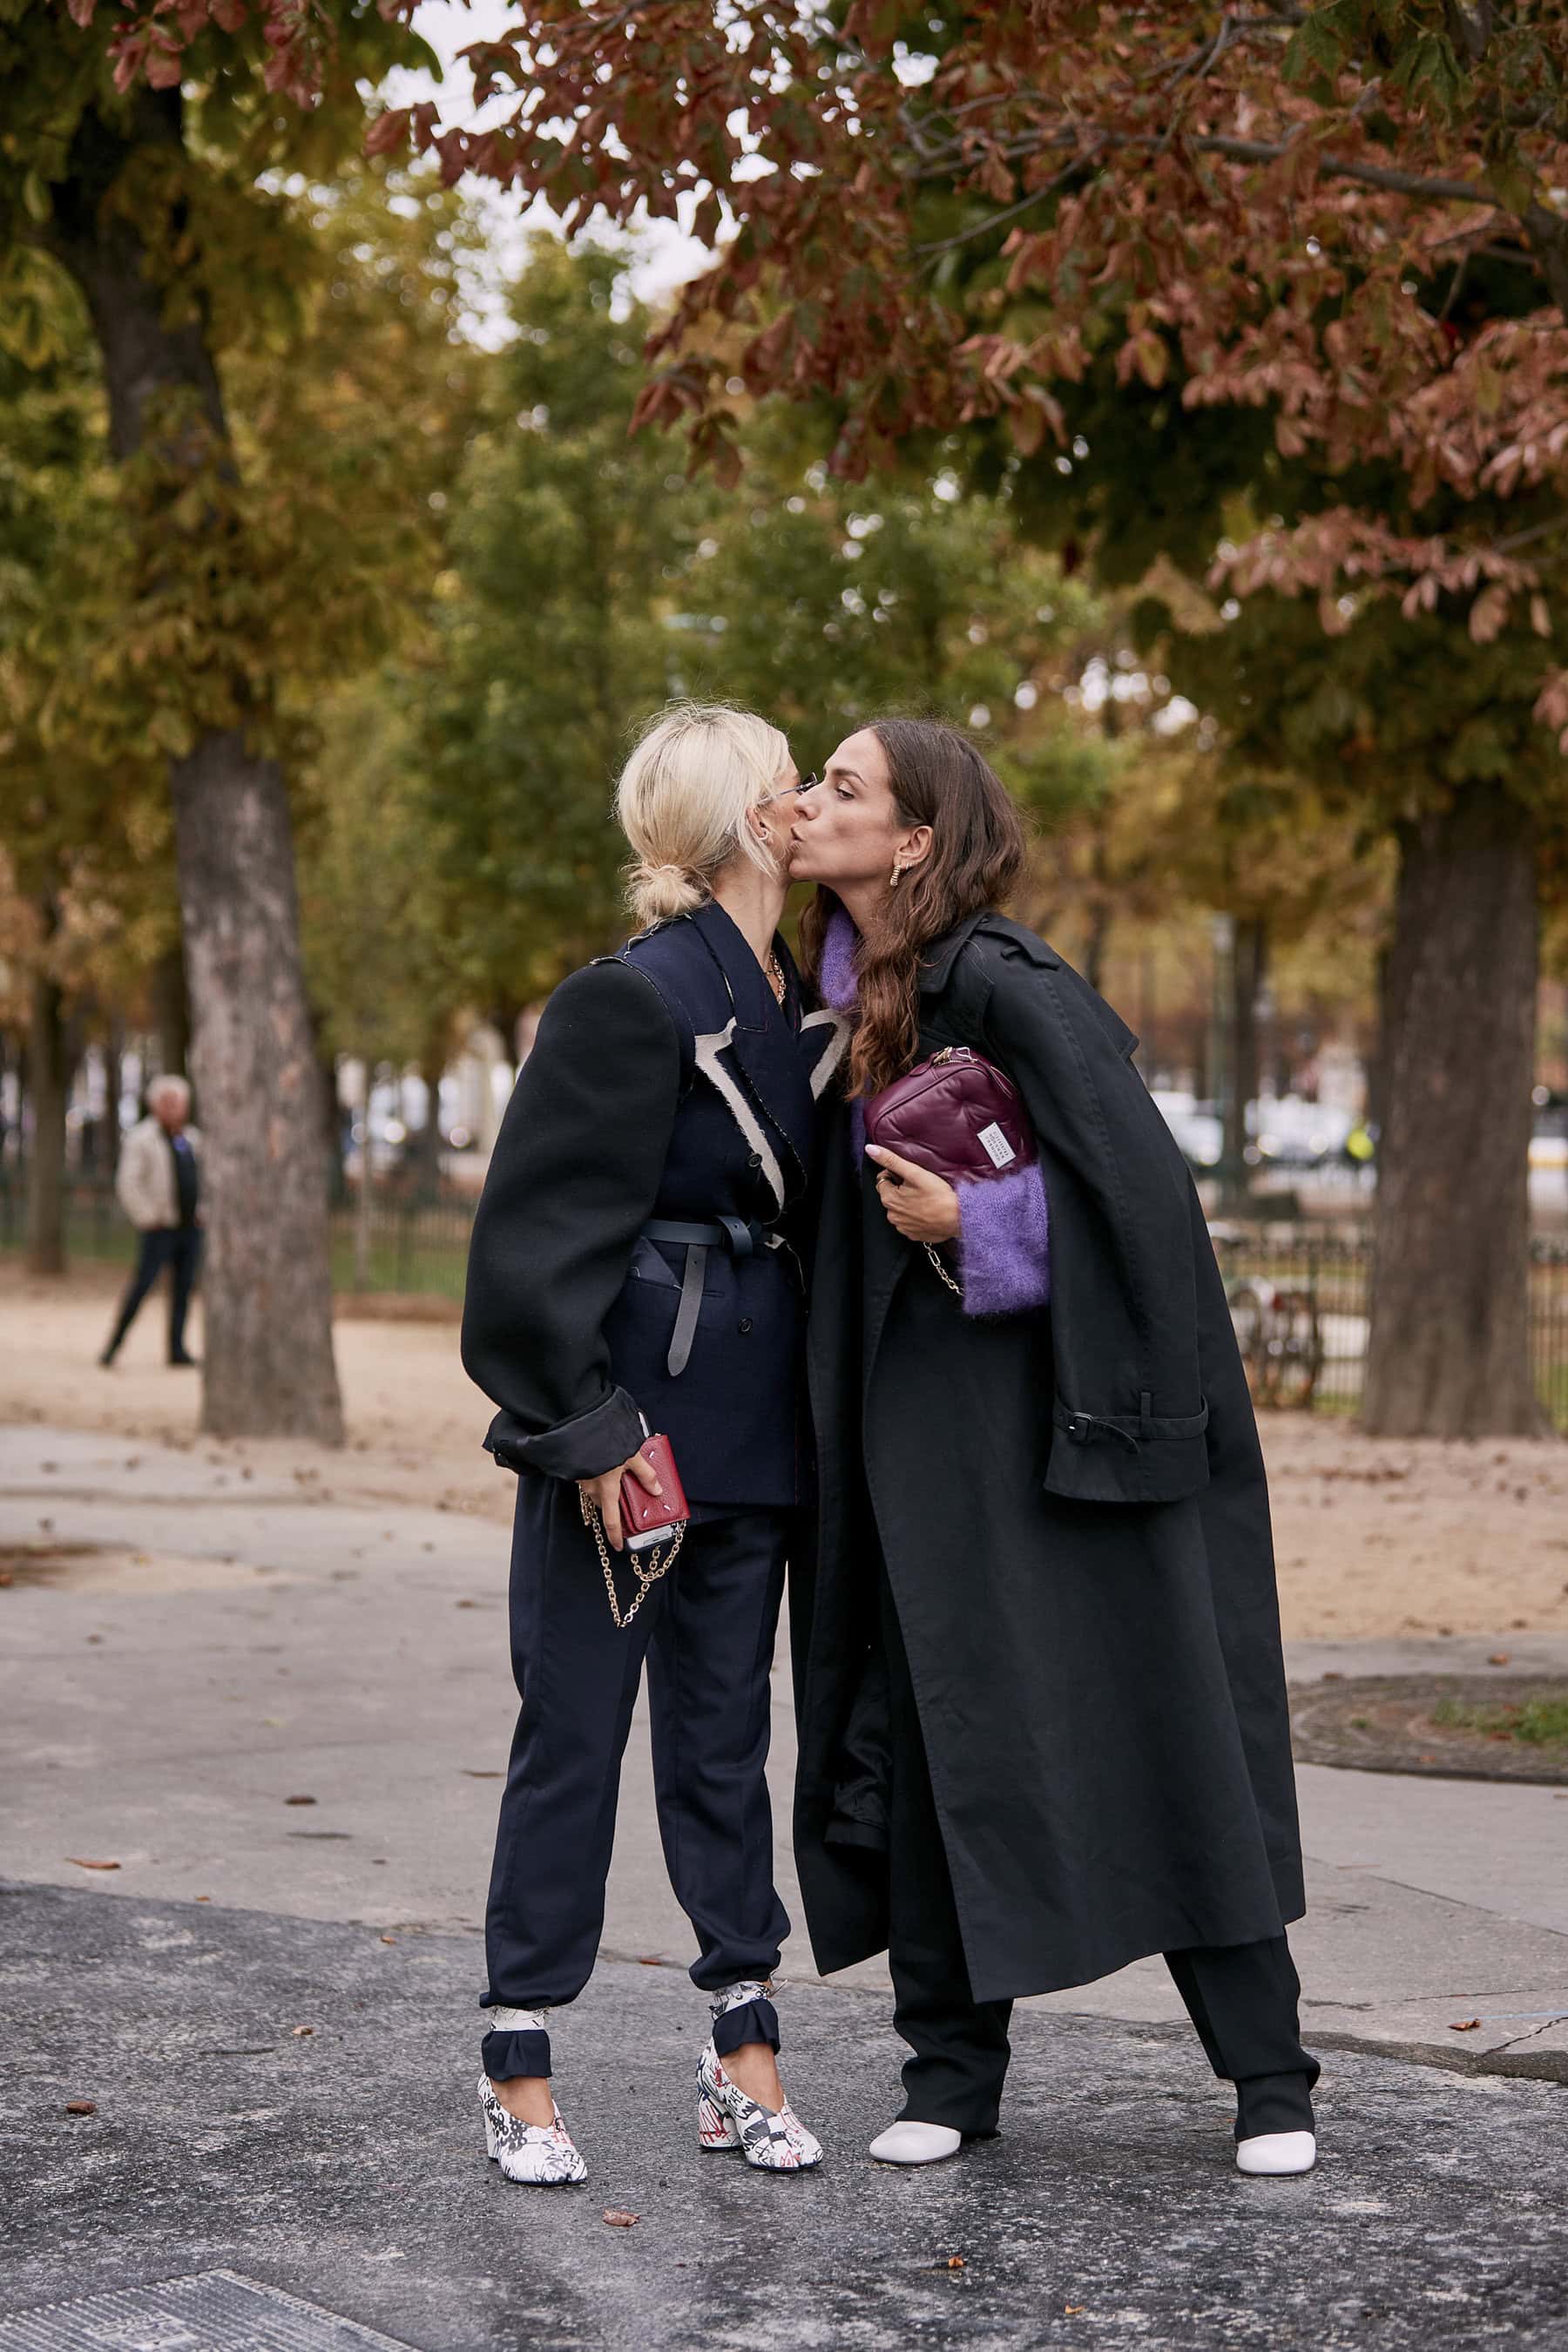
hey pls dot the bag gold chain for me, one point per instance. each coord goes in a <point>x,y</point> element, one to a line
<point>592,1518</point>
<point>935,1256</point>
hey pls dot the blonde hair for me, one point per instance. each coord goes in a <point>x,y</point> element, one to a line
<point>683,799</point>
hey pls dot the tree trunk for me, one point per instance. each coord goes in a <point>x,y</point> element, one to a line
<point>48,1080</point>
<point>172,1015</point>
<point>114,1084</point>
<point>1248,966</point>
<point>268,1351</point>
<point>1450,1313</point>
<point>425,1145</point>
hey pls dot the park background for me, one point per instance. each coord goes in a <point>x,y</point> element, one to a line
<point>1175,398</point>
<point>316,675</point>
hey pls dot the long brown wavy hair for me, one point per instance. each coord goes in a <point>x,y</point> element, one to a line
<point>977,849</point>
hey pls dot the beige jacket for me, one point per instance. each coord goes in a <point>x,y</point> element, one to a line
<point>145,1180</point>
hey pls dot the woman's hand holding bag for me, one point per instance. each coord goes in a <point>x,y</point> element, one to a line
<point>920,1204</point>
<point>960,1119</point>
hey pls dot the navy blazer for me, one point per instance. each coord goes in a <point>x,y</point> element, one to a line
<point>666,1083</point>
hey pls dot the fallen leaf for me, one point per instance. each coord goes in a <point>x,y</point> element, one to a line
<point>81,2106</point>
<point>82,1864</point>
<point>1464,2025</point>
<point>1071,2308</point>
<point>203,1898</point>
<point>299,1800</point>
<point>468,1774</point>
<point>956,2262</point>
<point>1500,1658</point>
<point>389,1939</point>
<point>299,2030</point>
<point>1332,1676</point>
<point>650,1961</point>
<point>619,2221</point>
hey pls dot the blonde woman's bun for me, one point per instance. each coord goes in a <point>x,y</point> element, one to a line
<point>684,800</point>
<point>657,893</point>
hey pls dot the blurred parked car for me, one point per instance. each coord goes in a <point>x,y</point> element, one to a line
<point>1549,1137</point>
<point>1196,1128</point>
<point>1288,1132</point>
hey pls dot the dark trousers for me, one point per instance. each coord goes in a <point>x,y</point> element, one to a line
<point>178,1248</point>
<point>706,1632</point>
<point>1242,1998</point>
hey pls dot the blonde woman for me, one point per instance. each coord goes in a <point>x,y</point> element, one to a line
<point>632,1265</point>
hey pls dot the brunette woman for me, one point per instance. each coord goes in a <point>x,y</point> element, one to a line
<point>1043,1724</point>
<point>632,1270</point>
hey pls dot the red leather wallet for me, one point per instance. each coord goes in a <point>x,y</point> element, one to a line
<point>646,1518</point>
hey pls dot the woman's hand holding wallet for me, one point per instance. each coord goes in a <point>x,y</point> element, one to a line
<point>605,1492</point>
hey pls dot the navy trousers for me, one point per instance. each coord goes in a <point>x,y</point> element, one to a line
<point>1242,1998</point>
<point>706,1632</point>
<point>178,1248</point>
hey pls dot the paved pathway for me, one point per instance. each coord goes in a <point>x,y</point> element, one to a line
<point>233,1645</point>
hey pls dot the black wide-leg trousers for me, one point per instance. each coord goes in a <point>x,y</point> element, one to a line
<point>1242,1998</point>
<point>706,1633</point>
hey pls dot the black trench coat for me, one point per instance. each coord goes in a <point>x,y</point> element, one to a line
<point>1072,1508</point>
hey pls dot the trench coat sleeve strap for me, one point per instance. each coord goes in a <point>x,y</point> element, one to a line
<point>573,1180</point>
<point>1127,1419</point>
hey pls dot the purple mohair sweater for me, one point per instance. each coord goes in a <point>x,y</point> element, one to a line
<point>1003,1242</point>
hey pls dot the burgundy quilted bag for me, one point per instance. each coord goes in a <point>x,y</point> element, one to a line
<point>957,1115</point>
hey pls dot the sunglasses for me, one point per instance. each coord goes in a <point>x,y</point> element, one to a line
<point>789,792</point>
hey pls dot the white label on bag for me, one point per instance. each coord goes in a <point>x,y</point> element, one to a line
<point>998,1145</point>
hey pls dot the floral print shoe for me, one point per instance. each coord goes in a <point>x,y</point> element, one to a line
<point>727,2118</point>
<point>540,2154</point>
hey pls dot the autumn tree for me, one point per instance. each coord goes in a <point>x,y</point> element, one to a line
<point>550,633</point>
<point>1332,231</point>
<point>83,844</point>
<point>153,193</point>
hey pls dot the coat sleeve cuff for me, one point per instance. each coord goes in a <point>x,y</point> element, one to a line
<point>583,1447</point>
<point>1004,1252</point>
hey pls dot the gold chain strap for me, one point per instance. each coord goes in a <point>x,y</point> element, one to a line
<point>591,1517</point>
<point>935,1256</point>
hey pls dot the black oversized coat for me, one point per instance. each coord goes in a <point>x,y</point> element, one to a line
<point>1072,1509</point>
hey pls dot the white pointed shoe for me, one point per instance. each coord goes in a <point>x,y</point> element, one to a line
<point>541,2155</point>
<point>726,2118</point>
<point>912,2143</point>
<point>1275,2154</point>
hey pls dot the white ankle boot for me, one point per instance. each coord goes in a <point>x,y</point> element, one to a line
<point>912,2143</point>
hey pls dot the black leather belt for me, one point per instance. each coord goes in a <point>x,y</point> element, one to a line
<point>732,1233</point>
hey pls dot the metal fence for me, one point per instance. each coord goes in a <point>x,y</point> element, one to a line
<point>1300,1296</point>
<point>1298,1292</point>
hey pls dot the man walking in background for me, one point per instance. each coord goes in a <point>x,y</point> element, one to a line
<point>159,1186</point>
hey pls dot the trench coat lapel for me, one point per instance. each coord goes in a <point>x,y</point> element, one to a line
<point>763,1070</point>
